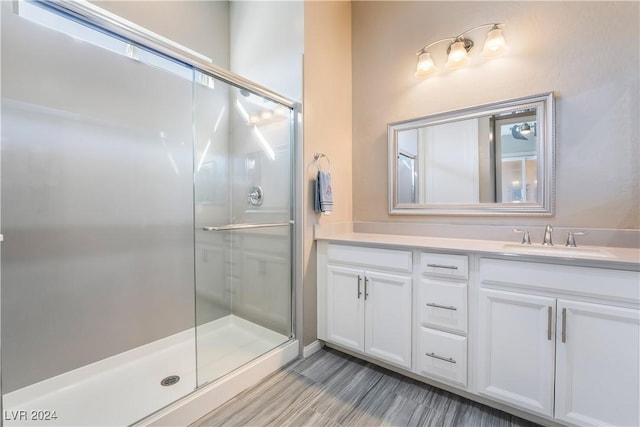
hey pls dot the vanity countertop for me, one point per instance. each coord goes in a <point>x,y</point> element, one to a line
<point>622,257</point>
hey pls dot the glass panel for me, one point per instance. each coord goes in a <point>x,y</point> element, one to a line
<point>512,186</point>
<point>97,215</point>
<point>518,139</point>
<point>243,277</point>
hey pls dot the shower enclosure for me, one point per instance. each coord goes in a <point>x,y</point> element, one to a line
<point>147,214</point>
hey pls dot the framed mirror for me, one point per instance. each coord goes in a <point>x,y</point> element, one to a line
<point>493,159</point>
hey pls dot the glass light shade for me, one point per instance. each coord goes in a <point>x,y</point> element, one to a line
<point>458,56</point>
<point>525,129</point>
<point>495,44</point>
<point>425,67</point>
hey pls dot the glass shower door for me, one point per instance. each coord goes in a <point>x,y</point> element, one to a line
<point>243,227</point>
<point>97,217</point>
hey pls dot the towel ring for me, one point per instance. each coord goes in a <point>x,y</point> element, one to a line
<point>316,160</point>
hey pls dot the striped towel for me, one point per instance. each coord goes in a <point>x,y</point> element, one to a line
<point>323,200</point>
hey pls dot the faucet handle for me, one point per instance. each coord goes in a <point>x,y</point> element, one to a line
<point>571,241</point>
<point>526,238</point>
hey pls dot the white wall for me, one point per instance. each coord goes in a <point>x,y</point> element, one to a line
<point>587,52</point>
<point>267,42</point>
<point>199,25</point>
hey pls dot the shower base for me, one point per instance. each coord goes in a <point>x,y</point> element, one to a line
<point>126,387</point>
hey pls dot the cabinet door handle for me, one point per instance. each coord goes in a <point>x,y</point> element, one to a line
<point>450,267</point>
<point>564,325</point>
<point>359,282</point>
<point>446,307</point>
<point>366,291</point>
<point>446,359</point>
<point>549,313</point>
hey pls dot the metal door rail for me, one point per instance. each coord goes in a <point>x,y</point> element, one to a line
<point>230,227</point>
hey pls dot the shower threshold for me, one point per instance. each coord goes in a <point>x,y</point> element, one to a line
<point>124,388</point>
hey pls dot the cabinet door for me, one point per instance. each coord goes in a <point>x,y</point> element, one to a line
<point>388,317</point>
<point>597,378</point>
<point>516,349</point>
<point>345,307</point>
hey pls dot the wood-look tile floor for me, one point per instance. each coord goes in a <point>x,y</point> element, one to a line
<point>331,388</point>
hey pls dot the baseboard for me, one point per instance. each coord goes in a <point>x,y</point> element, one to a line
<point>312,348</point>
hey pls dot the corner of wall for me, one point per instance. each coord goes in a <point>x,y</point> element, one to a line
<point>327,128</point>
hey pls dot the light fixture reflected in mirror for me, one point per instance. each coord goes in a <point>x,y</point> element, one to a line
<point>523,131</point>
<point>458,50</point>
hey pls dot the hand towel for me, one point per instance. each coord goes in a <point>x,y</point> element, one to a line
<point>316,195</point>
<point>324,191</point>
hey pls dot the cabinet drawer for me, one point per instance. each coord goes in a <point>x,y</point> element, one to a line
<point>390,259</point>
<point>607,284</point>
<point>442,305</point>
<point>445,265</point>
<point>442,356</point>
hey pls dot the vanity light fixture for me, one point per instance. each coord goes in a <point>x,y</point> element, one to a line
<point>458,51</point>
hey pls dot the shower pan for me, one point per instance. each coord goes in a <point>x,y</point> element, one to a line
<point>147,208</point>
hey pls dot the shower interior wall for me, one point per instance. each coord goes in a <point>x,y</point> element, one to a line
<point>264,42</point>
<point>97,206</point>
<point>123,232</point>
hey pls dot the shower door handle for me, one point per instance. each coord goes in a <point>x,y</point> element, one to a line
<point>229,227</point>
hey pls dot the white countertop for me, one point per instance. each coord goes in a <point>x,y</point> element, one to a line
<point>602,255</point>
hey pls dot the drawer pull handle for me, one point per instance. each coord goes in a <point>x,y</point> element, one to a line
<point>366,291</point>
<point>446,307</point>
<point>446,359</point>
<point>359,282</point>
<point>450,267</point>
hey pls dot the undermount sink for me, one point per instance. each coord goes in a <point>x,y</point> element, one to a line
<point>565,251</point>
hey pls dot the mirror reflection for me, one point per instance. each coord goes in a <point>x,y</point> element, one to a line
<point>485,158</point>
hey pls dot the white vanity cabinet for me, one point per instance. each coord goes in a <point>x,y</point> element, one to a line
<point>557,339</point>
<point>440,306</point>
<point>367,292</point>
<point>573,330</point>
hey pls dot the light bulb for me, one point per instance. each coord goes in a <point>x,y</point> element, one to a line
<point>495,44</point>
<point>457,55</point>
<point>425,67</point>
<point>525,129</point>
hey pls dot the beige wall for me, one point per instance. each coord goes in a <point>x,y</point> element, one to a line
<point>587,52</point>
<point>327,127</point>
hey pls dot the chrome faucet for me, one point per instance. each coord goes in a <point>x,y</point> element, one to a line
<point>571,240</point>
<point>547,236</point>
<point>526,238</point>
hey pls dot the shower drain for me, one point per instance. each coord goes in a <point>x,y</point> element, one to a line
<point>170,380</point>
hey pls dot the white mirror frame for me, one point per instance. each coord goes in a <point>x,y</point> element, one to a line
<point>544,103</point>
